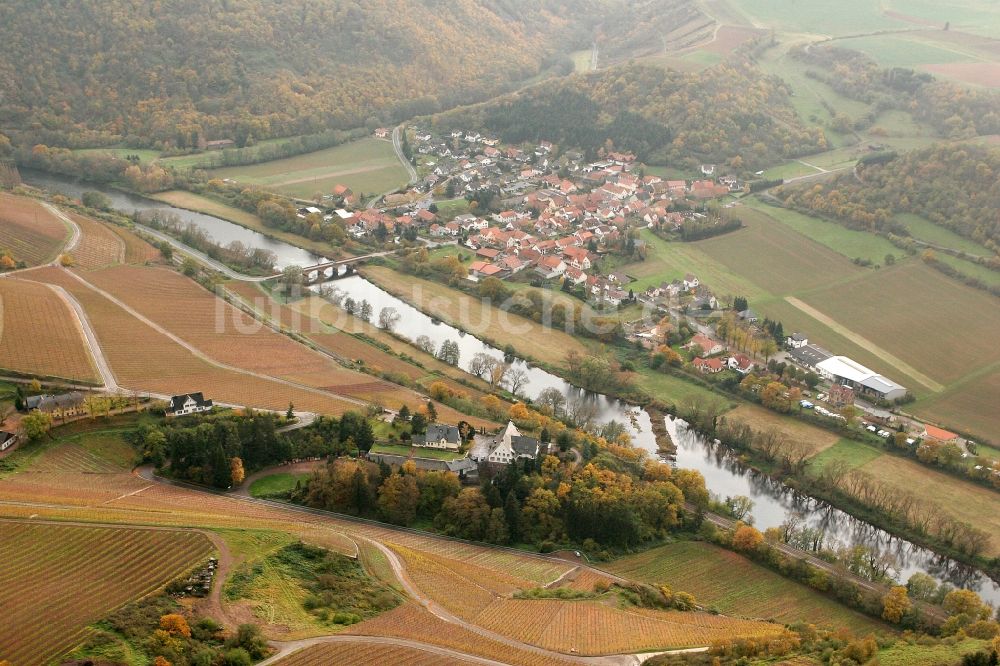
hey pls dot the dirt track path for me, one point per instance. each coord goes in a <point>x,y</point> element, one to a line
<point>864,342</point>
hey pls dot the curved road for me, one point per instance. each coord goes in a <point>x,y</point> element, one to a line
<point>285,648</point>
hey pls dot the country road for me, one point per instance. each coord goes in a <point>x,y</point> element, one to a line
<point>397,145</point>
<point>202,257</point>
<point>100,360</point>
<point>146,472</point>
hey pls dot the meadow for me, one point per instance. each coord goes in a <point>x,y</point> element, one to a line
<point>736,586</point>
<point>78,574</point>
<point>959,500</point>
<point>366,166</point>
<point>276,484</point>
<point>29,232</point>
<point>546,344</point>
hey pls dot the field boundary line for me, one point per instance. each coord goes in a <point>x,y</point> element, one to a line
<point>864,342</point>
<point>74,229</point>
<point>205,357</point>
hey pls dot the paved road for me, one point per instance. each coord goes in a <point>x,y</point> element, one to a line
<point>397,145</point>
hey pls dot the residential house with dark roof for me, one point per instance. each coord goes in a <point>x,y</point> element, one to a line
<point>439,436</point>
<point>188,403</point>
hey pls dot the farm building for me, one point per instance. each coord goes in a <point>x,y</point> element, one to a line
<point>7,439</point>
<point>940,434</point>
<point>840,395</point>
<point>809,356</point>
<point>438,436</point>
<point>189,403</point>
<point>62,405</point>
<point>843,370</point>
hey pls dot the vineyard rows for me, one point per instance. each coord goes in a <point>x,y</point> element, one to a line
<point>39,333</point>
<point>59,578</point>
<point>229,336</point>
<point>592,628</point>
<point>28,231</point>
<point>73,458</point>
<point>137,251</point>
<point>737,586</point>
<point>413,622</point>
<point>99,246</point>
<point>144,360</point>
<point>361,654</point>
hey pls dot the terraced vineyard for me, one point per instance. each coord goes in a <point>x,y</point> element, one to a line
<point>592,628</point>
<point>99,246</point>
<point>77,575</point>
<point>227,335</point>
<point>143,359</point>
<point>28,231</point>
<point>737,586</point>
<point>413,622</point>
<point>39,333</point>
<point>365,654</point>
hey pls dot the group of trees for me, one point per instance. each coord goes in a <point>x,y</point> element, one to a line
<point>955,111</point>
<point>956,186</point>
<point>255,70</point>
<point>234,254</point>
<point>220,449</point>
<point>277,211</point>
<point>618,500</point>
<point>731,113</point>
<point>160,630</point>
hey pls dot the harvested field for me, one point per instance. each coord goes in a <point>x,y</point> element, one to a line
<point>915,290</point>
<point>28,231</point>
<point>736,586</point>
<point>40,334</point>
<point>960,500</point>
<point>145,360</point>
<point>969,407</point>
<point>413,622</point>
<point>368,654</point>
<point>99,246</point>
<point>58,579</point>
<point>986,74</point>
<point>592,628</point>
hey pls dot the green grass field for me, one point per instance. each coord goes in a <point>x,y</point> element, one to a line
<point>368,166</point>
<point>923,229</point>
<point>736,586</point>
<point>143,154</point>
<point>914,654</point>
<point>902,51</point>
<point>840,239</point>
<point>416,452</point>
<point>850,451</point>
<point>276,484</point>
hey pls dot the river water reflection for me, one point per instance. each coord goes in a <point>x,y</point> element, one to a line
<point>724,474</point>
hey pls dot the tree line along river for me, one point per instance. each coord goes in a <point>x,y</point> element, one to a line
<point>725,475</point>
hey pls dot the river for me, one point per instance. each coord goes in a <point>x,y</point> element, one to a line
<point>221,231</point>
<point>723,472</point>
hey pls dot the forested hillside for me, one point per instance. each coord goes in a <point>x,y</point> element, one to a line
<point>86,72</point>
<point>954,185</point>
<point>731,113</point>
<point>955,111</point>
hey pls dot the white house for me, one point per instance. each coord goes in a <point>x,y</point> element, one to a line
<point>188,403</point>
<point>797,340</point>
<point>510,446</point>
<point>444,437</point>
